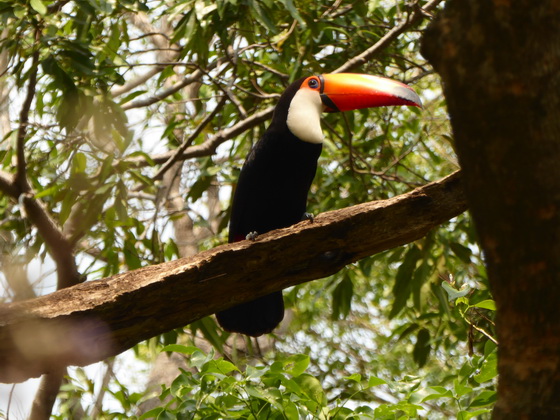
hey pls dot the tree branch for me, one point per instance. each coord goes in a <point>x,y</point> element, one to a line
<point>59,247</point>
<point>21,166</point>
<point>417,16</point>
<point>91,321</point>
<point>187,80</point>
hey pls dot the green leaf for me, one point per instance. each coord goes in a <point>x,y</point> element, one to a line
<point>153,413</point>
<point>39,7</point>
<point>342,298</point>
<point>466,415</point>
<point>131,257</point>
<point>461,389</point>
<point>67,205</point>
<point>374,381</point>
<point>199,187</point>
<point>485,398</point>
<point>48,191</point>
<point>486,304</point>
<point>461,251</point>
<point>296,364</point>
<point>291,410</point>
<point>209,330</point>
<point>220,366</point>
<point>453,293</point>
<point>356,377</point>
<point>421,275</point>
<point>488,370</point>
<point>262,16</point>
<point>402,287</point>
<point>130,97</point>
<point>79,163</point>
<point>293,11</point>
<point>178,348</point>
<point>439,392</point>
<point>422,347</point>
<point>312,388</point>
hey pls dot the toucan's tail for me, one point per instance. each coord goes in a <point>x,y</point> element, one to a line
<point>254,318</point>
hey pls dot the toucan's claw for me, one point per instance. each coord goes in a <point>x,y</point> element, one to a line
<point>252,236</point>
<point>308,216</point>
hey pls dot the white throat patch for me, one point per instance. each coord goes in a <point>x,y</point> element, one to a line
<point>304,116</point>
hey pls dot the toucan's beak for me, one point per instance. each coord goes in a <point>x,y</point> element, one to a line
<point>348,91</point>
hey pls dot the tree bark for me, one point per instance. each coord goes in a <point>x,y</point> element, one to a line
<point>500,65</point>
<point>93,320</point>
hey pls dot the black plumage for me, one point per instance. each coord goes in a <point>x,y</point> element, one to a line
<point>271,194</point>
<point>274,182</point>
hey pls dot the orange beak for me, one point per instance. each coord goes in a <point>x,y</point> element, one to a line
<point>348,91</point>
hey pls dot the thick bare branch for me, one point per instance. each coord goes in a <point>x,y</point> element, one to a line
<point>21,166</point>
<point>91,321</point>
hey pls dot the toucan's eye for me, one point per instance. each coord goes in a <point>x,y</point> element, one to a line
<point>313,83</point>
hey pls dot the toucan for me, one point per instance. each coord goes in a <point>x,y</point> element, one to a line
<point>273,184</point>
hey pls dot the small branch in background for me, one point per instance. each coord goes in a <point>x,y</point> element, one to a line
<point>191,78</point>
<point>46,395</point>
<point>232,97</point>
<point>175,157</point>
<point>134,83</point>
<point>109,373</point>
<point>209,147</point>
<point>187,80</point>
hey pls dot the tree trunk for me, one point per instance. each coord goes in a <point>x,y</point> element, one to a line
<point>500,65</point>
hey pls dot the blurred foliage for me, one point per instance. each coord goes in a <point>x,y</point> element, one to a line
<point>406,333</point>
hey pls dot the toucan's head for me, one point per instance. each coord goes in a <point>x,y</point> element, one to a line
<point>307,98</point>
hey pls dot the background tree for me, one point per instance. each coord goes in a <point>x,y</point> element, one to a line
<point>128,125</point>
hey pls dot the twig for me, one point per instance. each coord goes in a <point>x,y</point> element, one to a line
<point>188,142</point>
<point>191,78</point>
<point>143,78</point>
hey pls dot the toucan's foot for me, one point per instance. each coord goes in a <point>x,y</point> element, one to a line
<point>252,236</point>
<point>308,216</point>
